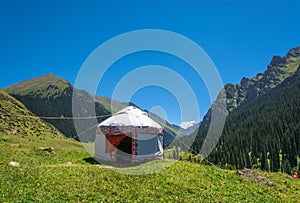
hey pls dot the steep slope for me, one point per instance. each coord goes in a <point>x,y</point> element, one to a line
<point>278,70</point>
<point>262,128</point>
<point>265,132</point>
<point>16,119</point>
<point>69,173</point>
<point>111,105</point>
<point>51,96</point>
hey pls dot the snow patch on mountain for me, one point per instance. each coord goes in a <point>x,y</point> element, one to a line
<point>187,124</point>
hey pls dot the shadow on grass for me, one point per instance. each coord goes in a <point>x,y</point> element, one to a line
<point>90,160</point>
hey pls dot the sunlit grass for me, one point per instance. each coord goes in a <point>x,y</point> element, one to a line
<point>44,176</point>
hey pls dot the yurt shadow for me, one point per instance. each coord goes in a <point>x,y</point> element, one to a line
<point>90,160</point>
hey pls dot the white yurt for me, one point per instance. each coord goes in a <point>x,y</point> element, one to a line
<point>129,136</point>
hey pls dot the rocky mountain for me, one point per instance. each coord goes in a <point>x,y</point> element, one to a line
<point>51,96</point>
<point>190,129</point>
<point>249,89</point>
<point>187,124</point>
<point>187,127</point>
<point>278,70</point>
<point>262,127</point>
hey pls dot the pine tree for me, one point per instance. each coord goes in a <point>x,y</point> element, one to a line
<point>274,159</point>
<point>292,154</point>
<point>264,165</point>
<point>286,167</point>
<point>248,161</point>
<point>267,129</point>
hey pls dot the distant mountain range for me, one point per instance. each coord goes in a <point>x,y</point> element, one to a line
<point>186,127</point>
<point>187,124</point>
<point>51,96</point>
<point>262,128</point>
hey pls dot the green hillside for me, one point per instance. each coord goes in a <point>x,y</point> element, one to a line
<point>51,96</point>
<point>263,132</point>
<point>110,104</point>
<point>15,119</point>
<point>37,86</point>
<point>68,175</point>
<point>266,129</point>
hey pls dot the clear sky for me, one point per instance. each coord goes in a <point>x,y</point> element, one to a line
<point>39,37</point>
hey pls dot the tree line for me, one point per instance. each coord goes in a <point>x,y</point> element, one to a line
<point>264,133</point>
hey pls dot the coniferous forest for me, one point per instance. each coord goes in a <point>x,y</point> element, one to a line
<point>263,133</point>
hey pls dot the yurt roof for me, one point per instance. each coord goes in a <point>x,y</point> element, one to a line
<point>130,116</point>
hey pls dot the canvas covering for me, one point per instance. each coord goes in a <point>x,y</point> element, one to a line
<point>132,131</point>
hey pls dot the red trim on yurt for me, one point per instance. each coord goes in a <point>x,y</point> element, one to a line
<point>115,130</point>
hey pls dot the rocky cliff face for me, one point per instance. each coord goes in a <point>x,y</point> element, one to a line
<point>278,70</point>
<point>263,118</point>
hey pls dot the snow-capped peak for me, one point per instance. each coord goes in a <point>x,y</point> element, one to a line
<point>187,124</point>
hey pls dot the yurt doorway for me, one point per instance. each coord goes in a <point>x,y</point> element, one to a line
<point>126,145</point>
<point>124,152</point>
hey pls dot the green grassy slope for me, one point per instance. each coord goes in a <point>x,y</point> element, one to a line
<point>111,105</point>
<point>49,95</point>
<point>13,118</point>
<point>46,177</point>
<point>36,86</point>
<point>50,177</point>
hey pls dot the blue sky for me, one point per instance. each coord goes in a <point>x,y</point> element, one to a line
<point>39,37</point>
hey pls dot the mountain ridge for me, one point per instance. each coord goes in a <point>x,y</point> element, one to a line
<point>261,131</point>
<point>249,89</point>
<point>277,71</point>
<point>49,95</point>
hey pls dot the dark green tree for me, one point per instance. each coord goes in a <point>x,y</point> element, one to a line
<point>264,165</point>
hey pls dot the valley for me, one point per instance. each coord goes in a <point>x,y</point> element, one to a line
<point>261,132</point>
